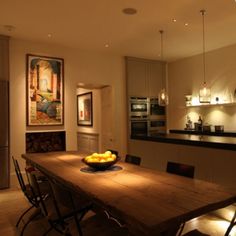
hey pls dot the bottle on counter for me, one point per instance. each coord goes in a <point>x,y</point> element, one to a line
<point>200,122</point>
<point>189,124</point>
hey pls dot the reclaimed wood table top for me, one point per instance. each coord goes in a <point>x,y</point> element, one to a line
<point>147,201</point>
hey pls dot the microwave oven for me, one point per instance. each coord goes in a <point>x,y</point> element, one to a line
<point>138,107</point>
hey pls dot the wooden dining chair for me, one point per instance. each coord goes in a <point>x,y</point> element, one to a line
<point>133,159</point>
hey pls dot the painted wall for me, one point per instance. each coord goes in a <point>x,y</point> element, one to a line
<point>186,76</point>
<point>80,66</point>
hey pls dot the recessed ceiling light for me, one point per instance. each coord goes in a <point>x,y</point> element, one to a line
<point>186,24</point>
<point>9,28</point>
<point>129,11</point>
<point>174,20</point>
<point>106,45</point>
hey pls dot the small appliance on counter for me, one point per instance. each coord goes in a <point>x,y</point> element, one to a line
<point>206,128</point>
<point>219,128</point>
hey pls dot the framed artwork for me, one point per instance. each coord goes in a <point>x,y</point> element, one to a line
<point>85,109</point>
<point>45,90</point>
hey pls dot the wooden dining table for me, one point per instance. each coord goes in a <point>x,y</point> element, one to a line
<point>146,201</point>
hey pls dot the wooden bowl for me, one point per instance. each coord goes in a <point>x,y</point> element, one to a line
<point>100,165</point>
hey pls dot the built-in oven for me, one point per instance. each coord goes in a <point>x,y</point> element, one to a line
<point>138,107</point>
<point>156,126</point>
<point>139,127</point>
<point>156,111</point>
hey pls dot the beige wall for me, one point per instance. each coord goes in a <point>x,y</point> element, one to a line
<point>186,76</point>
<point>80,66</point>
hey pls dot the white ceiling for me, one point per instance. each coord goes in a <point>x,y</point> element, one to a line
<point>90,24</point>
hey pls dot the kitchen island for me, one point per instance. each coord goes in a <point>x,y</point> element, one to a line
<point>213,157</point>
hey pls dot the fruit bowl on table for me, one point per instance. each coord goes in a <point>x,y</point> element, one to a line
<point>101,161</point>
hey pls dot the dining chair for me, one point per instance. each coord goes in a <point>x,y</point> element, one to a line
<point>180,169</point>
<point>29,194</point>
<point>67,207</point>
<point>133,159</point>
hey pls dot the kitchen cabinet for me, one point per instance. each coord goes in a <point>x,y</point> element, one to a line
<point>145,78</point>
<point>156,78</point>
<point>87,142</point>
<point>137,73</point>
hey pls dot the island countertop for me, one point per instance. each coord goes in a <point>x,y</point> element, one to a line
<point>220,142</point>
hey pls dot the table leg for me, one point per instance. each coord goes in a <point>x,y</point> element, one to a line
<point>232,224</point>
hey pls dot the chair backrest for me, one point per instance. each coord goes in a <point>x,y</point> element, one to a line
<point>180,169</point>
<point>133,159</point>
<point>40,199</point>
<point>19,175</point>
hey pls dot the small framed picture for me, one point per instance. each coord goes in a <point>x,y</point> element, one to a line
<point>85,109</point>
<point>44,90</point>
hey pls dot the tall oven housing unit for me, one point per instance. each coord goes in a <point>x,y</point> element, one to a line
<point>146,117</point>
<point>4,134</point>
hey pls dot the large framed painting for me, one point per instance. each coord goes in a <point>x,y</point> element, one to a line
<point>45,90</point>
<point>85,109</point>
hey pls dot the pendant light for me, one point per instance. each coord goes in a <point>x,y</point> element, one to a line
<point>205,92</point>
<point>162,96</point>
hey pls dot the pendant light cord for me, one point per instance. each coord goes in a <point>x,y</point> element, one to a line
<point>162,71</point>
<point>203,45</point>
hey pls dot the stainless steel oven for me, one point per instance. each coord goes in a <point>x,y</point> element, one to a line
<point>156,111</point>
<point>138,107</point>
<point>139,127</point>
<point>156,126</point>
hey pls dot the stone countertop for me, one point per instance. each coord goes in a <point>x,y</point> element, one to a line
<point>212,133</point>
<point>208,141</point>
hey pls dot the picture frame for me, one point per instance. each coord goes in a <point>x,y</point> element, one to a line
<point>85,109</point>
<point>44,90</point>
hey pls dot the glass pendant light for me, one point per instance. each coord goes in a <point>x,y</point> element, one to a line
<point>205,92</point>
<point>162,96</point>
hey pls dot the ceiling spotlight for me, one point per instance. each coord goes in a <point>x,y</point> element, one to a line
<point>106,45</point>
<point>174,20</point>
<point>129,11</point>
<point>186,24</point>
<point>9,28</point>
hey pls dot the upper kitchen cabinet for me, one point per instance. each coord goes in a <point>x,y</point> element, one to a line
<point>156,77</point>
<point>137,73</point>
<point>144,77</point>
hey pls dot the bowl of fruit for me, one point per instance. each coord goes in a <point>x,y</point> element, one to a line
<point>101,161</point>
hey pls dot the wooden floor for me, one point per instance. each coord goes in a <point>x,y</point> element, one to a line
<point>13,203</point>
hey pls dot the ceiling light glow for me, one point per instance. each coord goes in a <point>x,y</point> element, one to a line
<point>129,11</point>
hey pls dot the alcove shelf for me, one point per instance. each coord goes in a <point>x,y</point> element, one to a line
<point>213,105</point>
